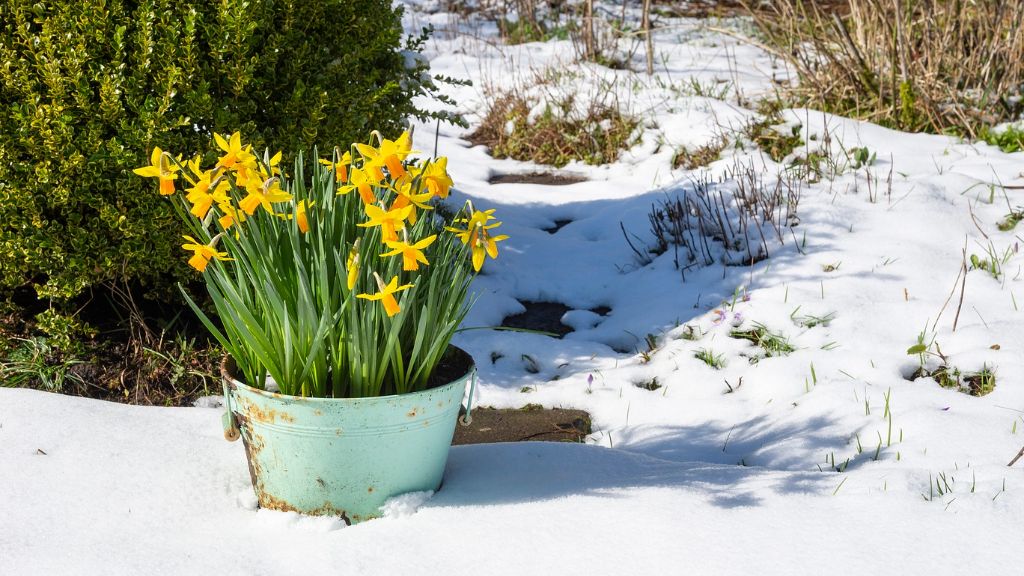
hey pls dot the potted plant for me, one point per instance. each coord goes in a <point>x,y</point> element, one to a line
<point>338,291</point>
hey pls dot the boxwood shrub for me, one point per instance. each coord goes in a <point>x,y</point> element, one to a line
<point>87,88</point>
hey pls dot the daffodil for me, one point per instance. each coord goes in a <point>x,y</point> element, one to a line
<point>406,197</point>
<point>272,168</point>
<point>436,178</point>
<point>389,155</point>
<point>477,236</point>
<point>340,167</point>
<point>195,168</point>
<point>246,176</point>
<point>412,254</point>
<point>200,196</point>
<point>202,253</point>
<point>300,216</point>
<point>235,155</point>
<point>390,221</point>
<point>232,215</point>
<point>263,195</point>
<point>360,181</point>
<point>386,295</point>
<point>160,167</point>
<point>352,265</point>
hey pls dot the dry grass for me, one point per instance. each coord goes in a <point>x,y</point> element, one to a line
<point>698,156</point>
<point>135,354</point>
<point>770,136</point>
<point>172,373</point>
<point>605,34</point>
<point>933,65</point>
<point>595,131</point>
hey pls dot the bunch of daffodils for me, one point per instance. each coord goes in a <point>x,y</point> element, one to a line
<point>338,280</point>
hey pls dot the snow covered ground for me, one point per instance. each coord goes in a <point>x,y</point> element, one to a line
<point>828,459</point>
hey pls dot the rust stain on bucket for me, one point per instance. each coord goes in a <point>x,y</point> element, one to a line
<point>271,503</point>
<point>253,444</point>
<point>269,415</point>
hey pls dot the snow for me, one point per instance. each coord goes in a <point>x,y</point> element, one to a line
<point>405,505</point>
<point>727,471</point>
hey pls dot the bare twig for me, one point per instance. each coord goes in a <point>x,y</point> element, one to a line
<point>975,220</point>
<point>643,258</point>
<point>1017,457</point>
<point>647,35</point>
<point>963,284</point>
<point>961,272</point>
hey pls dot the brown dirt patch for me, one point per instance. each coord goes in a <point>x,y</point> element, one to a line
<point>529,423</point>
<point>544,178</point>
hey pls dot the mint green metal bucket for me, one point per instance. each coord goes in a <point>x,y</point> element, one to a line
<point>342,456</point>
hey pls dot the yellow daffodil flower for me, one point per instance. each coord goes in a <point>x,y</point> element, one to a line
<point>160,167</point>
<point>390,222</point>
<point>406,197</point>
<point>403,144</point>
<point>352,265</point>
<point>246,176</point>
<point>195,168</point>
<point>386,294</point>
<point>477,236</point>
<point>301,219</point>
<point>235,155</point>
<point>340,167</point>
<point>231,215</point>
<point>202,253</point>
<point>272,168</point>
<point>389,155</point>
<point>201,203</point>
<point>360,181</point>
<point>265,195</point>
<point>202,198</point>
<point>436,178</point>
<point>412,254</point>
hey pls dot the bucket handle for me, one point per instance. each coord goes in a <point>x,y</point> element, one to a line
<point>467,418</point>
<point>231,432</point>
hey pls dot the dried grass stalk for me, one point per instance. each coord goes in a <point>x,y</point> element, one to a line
<point>935,65</point>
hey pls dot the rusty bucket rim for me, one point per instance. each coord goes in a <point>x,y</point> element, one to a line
<point>228,368</point>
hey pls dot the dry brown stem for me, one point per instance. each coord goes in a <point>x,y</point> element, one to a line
<point>935,65</point>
